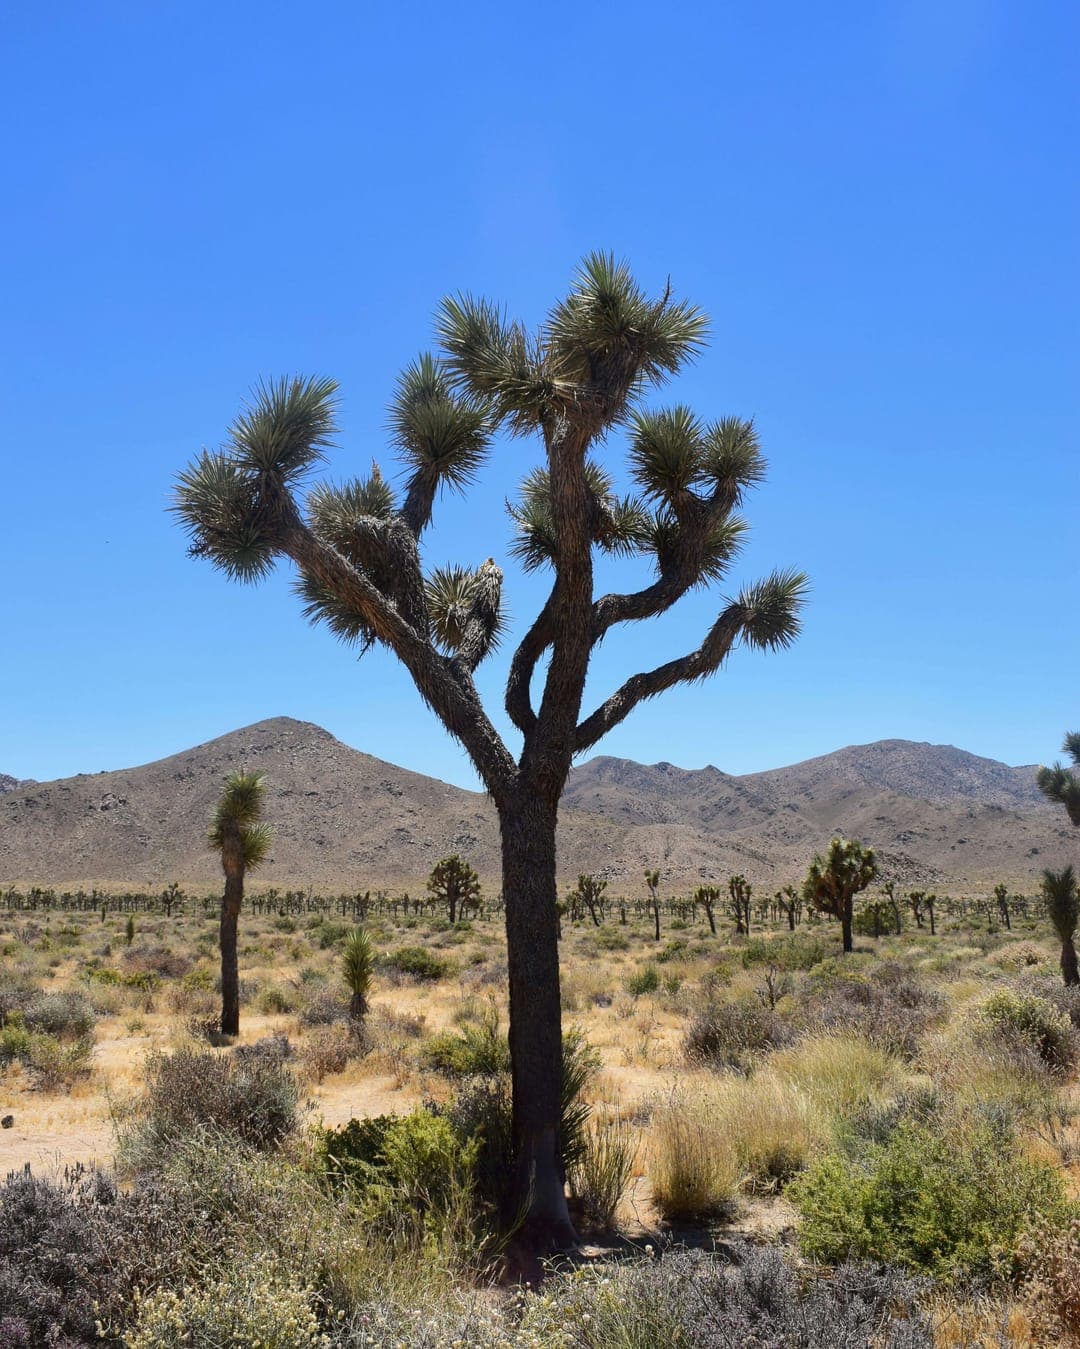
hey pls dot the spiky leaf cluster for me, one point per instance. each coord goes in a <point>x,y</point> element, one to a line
<point>1062,901</point>
<point>620,526</point>
<point>1062,785</point>
<point>238,814</point>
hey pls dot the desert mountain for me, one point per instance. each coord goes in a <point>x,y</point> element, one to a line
<point>9,784</point>
<point>345,820</point>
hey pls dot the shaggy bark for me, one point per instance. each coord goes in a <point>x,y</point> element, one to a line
<point>232,860</point>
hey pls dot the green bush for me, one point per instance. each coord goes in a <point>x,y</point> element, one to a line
<point>734,1035</point>
<point>801,951</point>
<point>418,963</point>
<point>480,1050</point>
<point>51,1063</point>
<point>645,980</point>
<point>949,1201</point>
<point>1029,1021</point>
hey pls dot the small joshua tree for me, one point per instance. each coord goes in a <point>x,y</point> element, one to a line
<point>243,842</point>
<point>1001,899</point>
<point>455,883</point>
<point>1061,785</point>
<point>1063,909</point>
<point>358,962</point>
<point>708,896</point>
<point>835,878</point>
<point>652,882</point>
<point>790,903</point>
<point>740,890</point>
<point>590,892</point>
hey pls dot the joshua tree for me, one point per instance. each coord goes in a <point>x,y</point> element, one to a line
<point>590,892</point>
<point>652,882</point>
<point>237,833</point>
<point>835,878</point>
<point>455,883</point>
<point>890,894</point>
<point>1063,908</point>
<point>708,896</point>
<point>1062,785</point>
<point>790,902</point>
<point>1001,898</point>
<point>917,898</point>
<point>740,890</point>
<point>358,962</point>
<point>572,385</point>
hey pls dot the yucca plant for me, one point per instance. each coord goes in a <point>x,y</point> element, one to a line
<point>1063,909</point>
<point>243,842</point>
<point>358,963</point>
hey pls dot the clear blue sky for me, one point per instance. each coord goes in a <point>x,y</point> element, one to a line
<point>876,202</point>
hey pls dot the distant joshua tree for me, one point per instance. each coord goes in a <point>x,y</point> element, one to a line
<point>835,878</point>
<point>455,883</point>
<point>708,896</point>
<point>590,892</point>
<point>243,841</point>
<point>740,890</point>
<point>1061,785</point>
<point>1001,899</point>
<point>652,882</point>
<point>1063,909</point>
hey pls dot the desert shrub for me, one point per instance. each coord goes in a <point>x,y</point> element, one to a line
<point>159,960</point>
<point>695,1169</point>
<point>1021,955</point>
<point>887,1005</point>
<point>68,1015</point>
<point>332,934</point>
<point>607,939</point>
<point>602,1173</point>
<point>51,1063</point>
<point>268,1049</point>
<point>774,1126</point>
<point>645,980</point>
<point>674,950</point>
<point>479,1049</point>
<point>330,1049</point>
<point>253,1100</point>
<point>1024,1019</point>
<point>734,1035</point>
<point>800,951</point>
<point>323,1008</point>
<point>417,963</point>
<point>1065,997</point>
<point>693,1300</point>
<point>481,1114</point>
<point>839,1072</point>
<point>276,1000</point>
<point>1050,1256</point>
<point>950,1202</point>
<point>247,1306</point>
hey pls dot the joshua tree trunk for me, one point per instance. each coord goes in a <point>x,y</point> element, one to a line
<point>845,924</point>
<point>233,861</point>
<point>528,877</point>
<point>1070,972</point>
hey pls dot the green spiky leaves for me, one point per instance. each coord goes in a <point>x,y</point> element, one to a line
<point>673,455</point>
<point>220,508</point>
<point>238,814</point>
<point>287,427</point>
<point>1062,901</point>
<point>438,433</point>
<point>620,525</point>
<point>771,609</point>
<point>465,609</point>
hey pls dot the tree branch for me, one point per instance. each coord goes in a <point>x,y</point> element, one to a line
<point>696,665</point>
<point>446,687</point>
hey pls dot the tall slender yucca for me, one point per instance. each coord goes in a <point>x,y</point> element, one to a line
<point>1063,909</point>
<point>243,842</point>
<point>358,965</point>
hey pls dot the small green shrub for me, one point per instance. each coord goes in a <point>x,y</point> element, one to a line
<point>477,1050</point>
<point>276,1000</point>
<point>603,1172</point>
<point>418,963</point>
<point>1027,1020</point>
<point>946,1201</point>
<point>801,951</point>
<point>645,980</point>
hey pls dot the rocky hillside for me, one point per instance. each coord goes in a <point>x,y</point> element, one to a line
<point>9,784</point>
<point>345,820</point>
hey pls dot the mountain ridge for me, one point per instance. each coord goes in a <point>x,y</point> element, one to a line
<point>346,820</point>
